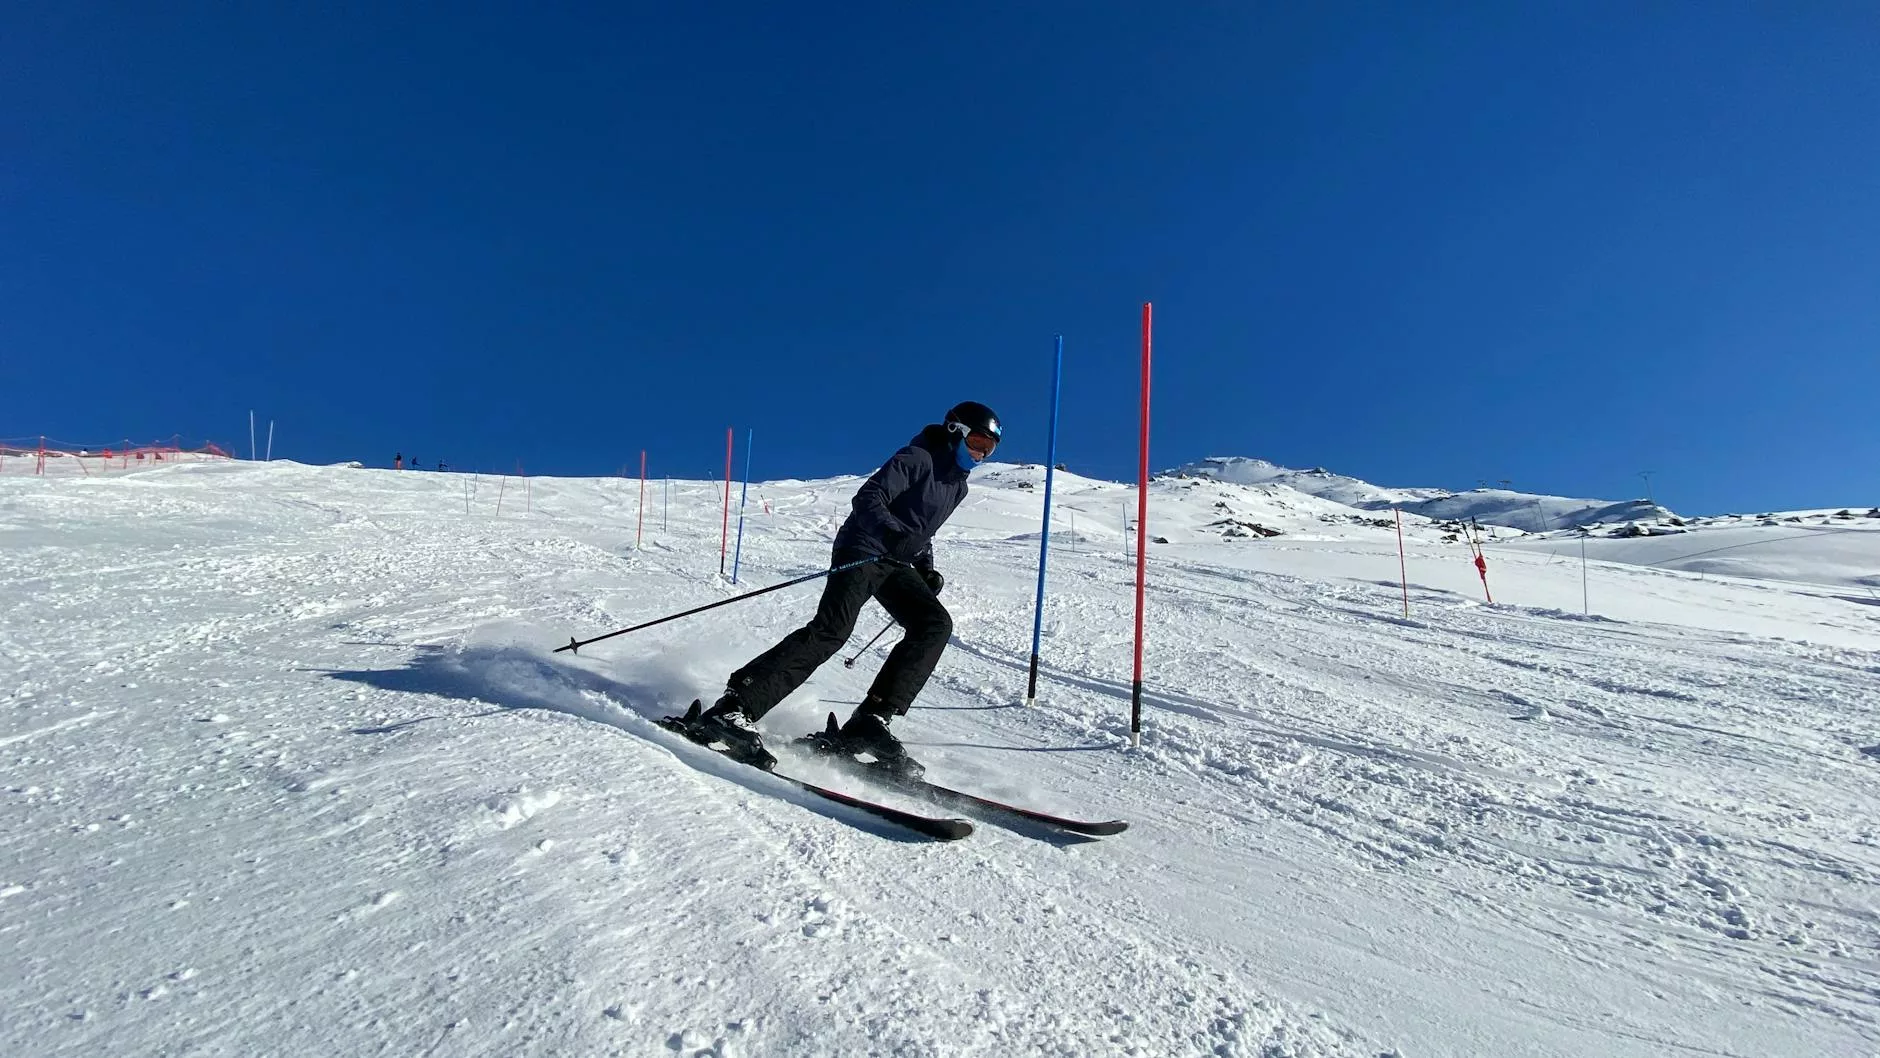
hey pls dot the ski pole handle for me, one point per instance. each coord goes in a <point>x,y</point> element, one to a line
<point>849,663</point>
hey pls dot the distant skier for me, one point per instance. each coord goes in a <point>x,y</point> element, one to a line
<point>893,521</point>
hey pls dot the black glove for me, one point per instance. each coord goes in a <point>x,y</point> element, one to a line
<point>934,580</point>
<point>893,539</point>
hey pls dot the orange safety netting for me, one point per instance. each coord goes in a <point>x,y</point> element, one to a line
<point>46,455</point>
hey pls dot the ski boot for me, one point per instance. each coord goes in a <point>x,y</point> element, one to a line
<point>727,724</point>
<point>867,733</point>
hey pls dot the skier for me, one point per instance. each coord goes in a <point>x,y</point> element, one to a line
<point>890,529</point>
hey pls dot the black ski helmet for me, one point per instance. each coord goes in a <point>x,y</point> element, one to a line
<point>970,416</point>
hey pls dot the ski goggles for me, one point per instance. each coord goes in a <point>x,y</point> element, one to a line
<point>978,442</point>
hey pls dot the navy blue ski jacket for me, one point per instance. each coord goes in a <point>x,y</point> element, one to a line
<point>899,509</point>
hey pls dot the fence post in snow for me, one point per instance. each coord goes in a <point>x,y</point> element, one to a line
<point>1044,535</point>
<point>1403,570</point>
<point>744,496</point>
<point>1142,530</point>
<point>641,528</point>
<point>724,537</point>
<point>1586,605</point>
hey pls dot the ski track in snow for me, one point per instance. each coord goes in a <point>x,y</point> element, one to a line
<point>288,769</point>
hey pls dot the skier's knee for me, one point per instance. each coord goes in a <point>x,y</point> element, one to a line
<point>936,623</point>
<point>830,634</point>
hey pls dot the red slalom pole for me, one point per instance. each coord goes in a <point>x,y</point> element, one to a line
<point>1403,569</point>
<point>724,545</point>
<point>1142,537</point>
<point>1481,560</point>
<point>642,526</point>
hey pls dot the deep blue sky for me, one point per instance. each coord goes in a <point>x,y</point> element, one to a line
<point>1422,244</point>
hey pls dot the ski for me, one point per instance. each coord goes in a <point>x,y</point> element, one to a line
<point>969,802</point>
<point>951,798</point>
<point>937,828</point>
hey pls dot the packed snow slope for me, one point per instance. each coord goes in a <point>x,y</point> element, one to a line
<point>1829,548</point>
<point>287,768</point>
<point>1529,512</point>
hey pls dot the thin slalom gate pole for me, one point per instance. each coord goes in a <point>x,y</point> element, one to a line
<point>1403,570</point>
<point>744,495</point>
<point>1142,535</point>
<point>724,539</point>
<point>641,528</point>
<point>1481,559</point>
<point>665,506</point>
<point>1044,536</point>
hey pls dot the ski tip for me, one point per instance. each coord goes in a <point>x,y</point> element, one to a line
<point>696,709</point>
<point>832,727</point>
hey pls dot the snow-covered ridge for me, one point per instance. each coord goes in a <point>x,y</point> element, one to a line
<point>1834,548</point>
<point>1526,511</point>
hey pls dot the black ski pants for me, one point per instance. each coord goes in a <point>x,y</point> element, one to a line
<point>771,676</point>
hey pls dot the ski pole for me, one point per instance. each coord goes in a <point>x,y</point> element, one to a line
<point>849,663</point>
<point>575,645</point>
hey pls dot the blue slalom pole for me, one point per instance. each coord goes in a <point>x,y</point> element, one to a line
<point>1044,538</point>
<point>742,496</point>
